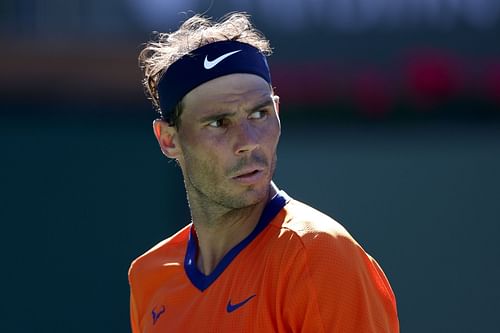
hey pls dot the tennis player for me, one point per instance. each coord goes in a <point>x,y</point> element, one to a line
<point>253,259</point>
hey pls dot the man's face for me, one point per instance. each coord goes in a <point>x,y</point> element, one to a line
<point>227,137</point>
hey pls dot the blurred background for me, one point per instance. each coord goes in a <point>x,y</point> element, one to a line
<point>391,124</point>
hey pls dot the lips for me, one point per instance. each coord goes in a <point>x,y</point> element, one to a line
<point>249,176</point>
<point>247,173</point>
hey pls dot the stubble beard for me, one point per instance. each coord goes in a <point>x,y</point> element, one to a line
<point>211,194</point>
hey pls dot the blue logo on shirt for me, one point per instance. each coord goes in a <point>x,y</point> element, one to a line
<point>157,312</point>
<point>232,307</point>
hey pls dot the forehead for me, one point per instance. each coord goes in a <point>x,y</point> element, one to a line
<point>229,90</point>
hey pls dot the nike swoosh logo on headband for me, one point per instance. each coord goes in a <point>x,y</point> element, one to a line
<point>211,64</point>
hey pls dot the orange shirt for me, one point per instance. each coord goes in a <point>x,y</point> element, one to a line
<point>298,271</point>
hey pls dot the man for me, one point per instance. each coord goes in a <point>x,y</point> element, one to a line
<point>253,259</point>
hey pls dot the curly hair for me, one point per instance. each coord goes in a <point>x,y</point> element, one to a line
<point>195,32</point>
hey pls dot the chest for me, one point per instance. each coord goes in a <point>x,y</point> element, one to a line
<point>246,297</point>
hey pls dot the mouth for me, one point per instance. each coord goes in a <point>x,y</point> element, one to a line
<point>249,176</point>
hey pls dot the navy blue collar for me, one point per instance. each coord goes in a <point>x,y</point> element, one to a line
<point>202,281</point>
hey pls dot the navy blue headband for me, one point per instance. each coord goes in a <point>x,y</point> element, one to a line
<point>207,63</point>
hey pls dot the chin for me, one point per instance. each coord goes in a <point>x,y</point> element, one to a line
<point>254,195</point>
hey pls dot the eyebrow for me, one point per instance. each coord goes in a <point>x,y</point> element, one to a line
<point>218,115</point>
<point>269,101</point>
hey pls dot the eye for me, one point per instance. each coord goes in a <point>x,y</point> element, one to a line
<point>217,123</point>
<point>261,114</point>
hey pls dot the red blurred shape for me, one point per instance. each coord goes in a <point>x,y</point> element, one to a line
<point>433,77</point>
<point>371,92</point>
<point>312,83</point>
<point>492,81</point>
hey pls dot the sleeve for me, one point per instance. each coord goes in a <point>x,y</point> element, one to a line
<point>134,321</point>
<point>333,285</point>
<point>134,314</point>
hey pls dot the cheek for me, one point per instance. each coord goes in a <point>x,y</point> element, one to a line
<point>205,156</point>
<point>202,154</point>
<point>271,134</point>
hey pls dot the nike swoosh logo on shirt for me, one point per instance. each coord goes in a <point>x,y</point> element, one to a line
<point>211,64</point>
<point>232,307</point>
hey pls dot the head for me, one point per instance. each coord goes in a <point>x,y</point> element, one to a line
<point>223,132</point>
<point>159,54</point>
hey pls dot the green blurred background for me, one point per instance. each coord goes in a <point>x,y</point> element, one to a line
<point>391,124</point>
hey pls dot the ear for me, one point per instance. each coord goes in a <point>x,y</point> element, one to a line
<point>167,138</point>
<point>276,100</point>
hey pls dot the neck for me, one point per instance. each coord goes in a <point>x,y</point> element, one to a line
<point>219,229</point>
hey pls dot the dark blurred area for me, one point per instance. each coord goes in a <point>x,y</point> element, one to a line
<point>391,124</point>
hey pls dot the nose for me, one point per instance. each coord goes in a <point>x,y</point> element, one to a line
<point>246,139</point>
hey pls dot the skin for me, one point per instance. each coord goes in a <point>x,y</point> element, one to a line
<point>226,148</point>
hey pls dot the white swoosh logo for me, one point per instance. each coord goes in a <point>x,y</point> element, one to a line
<point>211,64</point>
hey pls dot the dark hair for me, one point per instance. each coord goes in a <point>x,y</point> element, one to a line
<point>195,32</point>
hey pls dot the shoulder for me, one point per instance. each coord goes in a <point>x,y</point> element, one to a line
<point>329,254</point>
<point>169,251</point>
<point>322,244</point>
<point>313,242</point>
<point>314,229</point>
<point>341,282</point>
